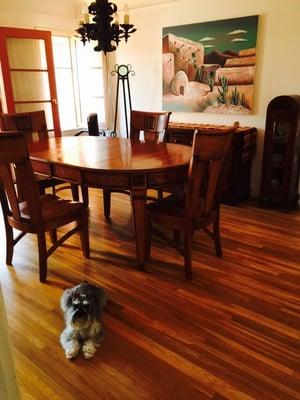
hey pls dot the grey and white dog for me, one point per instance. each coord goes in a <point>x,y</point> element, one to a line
<point>82,306</point>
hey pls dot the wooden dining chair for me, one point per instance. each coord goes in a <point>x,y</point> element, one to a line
<point>199,208</point>
<point>33,124</point>
<point>149,126</point>
<point>146,126</point>
<point>35,213</point>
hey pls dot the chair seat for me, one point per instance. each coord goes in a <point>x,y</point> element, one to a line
<point>174,206</point>
<point>54,209</point>
<point>167,206</point>
<point>47,182</point>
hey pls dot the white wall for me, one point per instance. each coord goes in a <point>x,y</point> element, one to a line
<point>278,56</point>
<point>57,15</point>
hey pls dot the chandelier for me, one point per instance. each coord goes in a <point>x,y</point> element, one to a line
<point>105,28</point>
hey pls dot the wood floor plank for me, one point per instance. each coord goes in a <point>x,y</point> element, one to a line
<point>233,332</point>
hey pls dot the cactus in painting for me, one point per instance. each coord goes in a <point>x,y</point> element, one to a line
<point>222,98</point>
<point>243,101</point>
<point>235,97</point>
<point>211,84</point>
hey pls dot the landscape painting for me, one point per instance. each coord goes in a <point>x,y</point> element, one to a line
<point>210,67</point>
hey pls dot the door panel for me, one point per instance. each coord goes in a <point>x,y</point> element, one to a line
<point>18,50</point>
<point>30,86</point>
<point>28,73</point>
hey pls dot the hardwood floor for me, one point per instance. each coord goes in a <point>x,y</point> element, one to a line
<point>231,333</point>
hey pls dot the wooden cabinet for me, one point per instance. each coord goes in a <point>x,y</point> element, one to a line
<point>236,184</point>
<point>280,167</point>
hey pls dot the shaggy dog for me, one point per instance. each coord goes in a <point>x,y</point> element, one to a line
<point>82,306</point>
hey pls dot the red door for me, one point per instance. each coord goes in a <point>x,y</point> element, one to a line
<point>28,77</point>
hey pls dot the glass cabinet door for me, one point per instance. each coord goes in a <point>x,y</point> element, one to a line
<point>278,154</point>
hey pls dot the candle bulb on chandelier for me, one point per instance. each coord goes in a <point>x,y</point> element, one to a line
<point>117,19</point>
<point>80,18</point>
<point>85,18</point>
<point>126,15</point>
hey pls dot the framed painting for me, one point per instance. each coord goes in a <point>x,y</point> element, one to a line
<point>210,67</point>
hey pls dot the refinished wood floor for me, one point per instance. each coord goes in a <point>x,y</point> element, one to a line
<point>231,333</point>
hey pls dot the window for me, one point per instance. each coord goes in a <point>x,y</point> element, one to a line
<point>79,82</point>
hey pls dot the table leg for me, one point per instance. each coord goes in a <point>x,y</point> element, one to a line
<point>138,203</point>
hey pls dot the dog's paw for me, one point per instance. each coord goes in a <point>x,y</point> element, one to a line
<point>71,353</point>
<point>88,349</point>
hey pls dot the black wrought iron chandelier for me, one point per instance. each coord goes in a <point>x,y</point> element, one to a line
<point>105,28</point>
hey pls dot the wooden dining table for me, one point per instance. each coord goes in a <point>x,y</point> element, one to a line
<point>115,164</point>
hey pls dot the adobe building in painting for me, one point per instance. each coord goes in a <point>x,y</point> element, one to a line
<point>210,67</point>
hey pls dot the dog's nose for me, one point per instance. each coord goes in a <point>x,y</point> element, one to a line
<point>79,313</point>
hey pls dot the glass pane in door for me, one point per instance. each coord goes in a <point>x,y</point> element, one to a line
<point>26,53</point>
<point>30,85</point>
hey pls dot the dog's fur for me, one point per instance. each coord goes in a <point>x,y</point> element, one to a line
<point>82,306</point>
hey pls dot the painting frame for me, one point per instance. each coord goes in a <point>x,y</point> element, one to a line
<point>210,66</point>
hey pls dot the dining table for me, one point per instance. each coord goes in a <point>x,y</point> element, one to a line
<point>114,164</point>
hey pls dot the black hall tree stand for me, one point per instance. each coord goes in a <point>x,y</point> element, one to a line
<point>281,156</point>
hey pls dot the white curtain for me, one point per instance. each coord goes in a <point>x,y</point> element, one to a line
<point>110,85</point>
<point>9,389</point>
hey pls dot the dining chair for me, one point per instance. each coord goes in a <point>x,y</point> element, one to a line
<point>92,123</point>
<point>33,124</point>
<point>199,207</point>
<point>146,126</point>
<point>34,213</point>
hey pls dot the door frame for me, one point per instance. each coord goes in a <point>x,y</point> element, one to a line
<point>4,63</point>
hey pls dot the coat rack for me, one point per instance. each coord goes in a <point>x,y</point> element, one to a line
<point>123,71</point>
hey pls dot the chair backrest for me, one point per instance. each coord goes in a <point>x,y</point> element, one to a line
<point>209,153</point>
<point>152,124</point>
<point>92,123</point>
<point>32,123</point>
<point>21,183</point>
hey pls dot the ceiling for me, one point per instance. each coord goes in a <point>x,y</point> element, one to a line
<point>141,3</point>
<point>68,8</point>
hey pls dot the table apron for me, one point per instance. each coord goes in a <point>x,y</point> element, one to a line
<point>113,179</point>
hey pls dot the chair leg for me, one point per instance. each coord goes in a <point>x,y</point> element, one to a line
<point>8,229</point>
<point>106,203</point>
<point>187,242</point>
<point>217,238</point>
<point>85,195</point>
<point>9,243</point>
<point>53,236</point>
<point>84,235</point>
<point>42,190</point>
<point>75,192</point>
<point>149,238</point>
<point>42,256</point>
<point>160,194</point>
